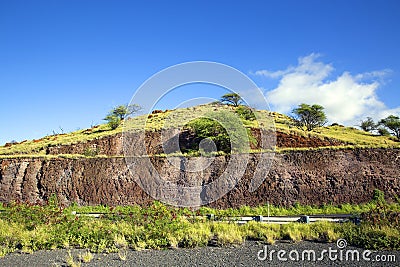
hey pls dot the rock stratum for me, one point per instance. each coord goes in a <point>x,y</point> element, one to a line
<point>330,176</point>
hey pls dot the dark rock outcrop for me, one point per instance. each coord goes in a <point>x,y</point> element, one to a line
<point>306,177</point>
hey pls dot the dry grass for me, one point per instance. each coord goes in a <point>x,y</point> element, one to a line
<point>69,260</point>
<point>86,257</point>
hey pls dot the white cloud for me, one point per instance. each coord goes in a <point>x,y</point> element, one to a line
<point>347,98</point>
<point>272,74</point>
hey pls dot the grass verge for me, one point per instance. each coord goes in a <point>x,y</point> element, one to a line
<point>29,228</point>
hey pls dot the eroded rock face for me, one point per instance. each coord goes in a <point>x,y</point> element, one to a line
<point>108,145</point>
<point>306,177</point>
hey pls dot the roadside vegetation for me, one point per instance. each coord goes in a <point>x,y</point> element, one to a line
<point>30,227</point>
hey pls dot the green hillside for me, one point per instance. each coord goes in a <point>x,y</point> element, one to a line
<point>349,136</point>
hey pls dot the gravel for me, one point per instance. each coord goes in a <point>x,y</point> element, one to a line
<point>244,255</point>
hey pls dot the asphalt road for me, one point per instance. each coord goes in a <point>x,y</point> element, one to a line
<point>251,253</point>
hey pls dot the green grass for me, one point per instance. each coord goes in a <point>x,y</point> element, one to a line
<point>351,137</point>
<point>297,210</point>
<point>358,137</point>
<point>264,210</point>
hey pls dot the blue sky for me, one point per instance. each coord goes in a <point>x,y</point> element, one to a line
<point>66,63</point>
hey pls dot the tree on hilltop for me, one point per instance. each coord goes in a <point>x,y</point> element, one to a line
<point>231,99</point>
<point>309,117</point>
<point>122,111</point>
<point>119,113</point>
<point>392,123</point>
<point>368,125</point>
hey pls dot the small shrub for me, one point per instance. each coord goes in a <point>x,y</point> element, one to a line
<point>292,232</point>
<point>113,121</point>
<point>228,233</point>
<point>378,196</point>
<point>69,259</point>
<point>86,257</point>
<point>120,241</point>
<point>91,152</point>
<point>324,231</point>
<point>3,251</point>
<point>264,232</point>
<point>195,235</point>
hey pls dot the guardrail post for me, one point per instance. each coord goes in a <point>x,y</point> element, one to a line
<point>304,219</point>
<point>259,218</point>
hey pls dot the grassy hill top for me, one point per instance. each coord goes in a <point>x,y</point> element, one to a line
<point>349,136</point>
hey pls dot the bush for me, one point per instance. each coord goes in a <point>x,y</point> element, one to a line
<point>370,237</point>
<point>379,196</point>
<point>206,128</point>
<point>245,113</point>
<point>368,125</point>
<point>119,113</point>
<point>195,235</point>
<point>91,152</point>
<point>113,121</point>
<point>224,129</point>
<point>264,232</point>
<point>228,233</point>
<point>383,132</point>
